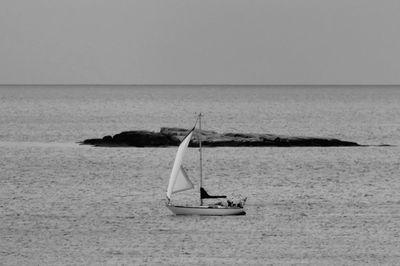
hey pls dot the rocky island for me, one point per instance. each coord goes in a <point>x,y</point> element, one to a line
<point>173,136</point>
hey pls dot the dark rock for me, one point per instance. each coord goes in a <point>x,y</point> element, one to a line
<point>143,139</point>
<point>107,139</point>
<point>94,142</point>
<point>173,136</point>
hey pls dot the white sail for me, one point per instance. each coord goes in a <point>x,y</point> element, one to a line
<point>182,182</point>
<point>179,181</point>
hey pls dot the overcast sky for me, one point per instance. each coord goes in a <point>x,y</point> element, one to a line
<point>200,42</point>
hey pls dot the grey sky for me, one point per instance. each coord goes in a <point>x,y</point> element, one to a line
<point>200,41</point>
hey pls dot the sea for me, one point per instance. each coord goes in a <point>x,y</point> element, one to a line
<point>62,203</point>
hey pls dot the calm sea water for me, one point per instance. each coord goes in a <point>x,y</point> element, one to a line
<point>66,204</point>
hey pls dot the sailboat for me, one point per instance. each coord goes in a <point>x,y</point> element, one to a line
<point>179,181</point>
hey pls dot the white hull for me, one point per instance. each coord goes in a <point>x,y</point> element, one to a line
<point>205,210</point>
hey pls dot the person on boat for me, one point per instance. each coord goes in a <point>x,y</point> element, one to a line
<point>230,203</point>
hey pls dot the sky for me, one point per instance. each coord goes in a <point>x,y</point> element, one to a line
<point>200,42</point>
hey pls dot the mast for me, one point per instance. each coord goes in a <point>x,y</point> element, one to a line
<point>201,160</point>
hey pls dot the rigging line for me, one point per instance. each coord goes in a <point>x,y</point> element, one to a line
<point>197,120</point>
<point>193,128</point>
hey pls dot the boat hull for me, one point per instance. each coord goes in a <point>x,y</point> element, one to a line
<point>205,210</point>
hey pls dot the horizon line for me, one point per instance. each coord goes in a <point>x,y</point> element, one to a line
<point>205,85</point>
